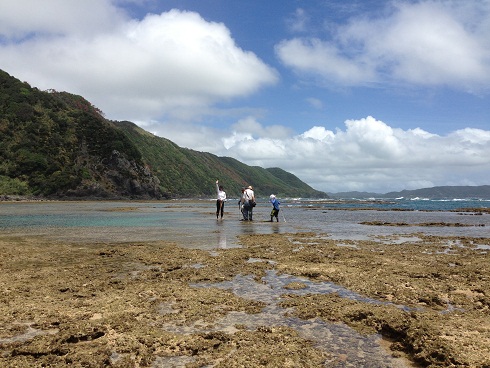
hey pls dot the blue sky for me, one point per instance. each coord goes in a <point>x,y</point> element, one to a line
<point>348,95</point>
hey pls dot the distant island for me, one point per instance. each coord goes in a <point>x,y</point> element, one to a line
<point>439,192</point>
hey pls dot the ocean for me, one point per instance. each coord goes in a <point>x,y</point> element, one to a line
<point>193,223</point>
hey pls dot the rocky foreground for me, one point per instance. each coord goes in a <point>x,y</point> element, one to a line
<point>144,304</point>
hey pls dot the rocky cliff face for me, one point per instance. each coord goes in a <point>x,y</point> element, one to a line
<point>58,145</point>
<point>117,177</point>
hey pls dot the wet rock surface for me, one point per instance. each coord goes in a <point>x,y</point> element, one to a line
<point>155,304</point>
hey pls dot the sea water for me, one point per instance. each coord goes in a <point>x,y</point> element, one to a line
<point>193,223</point>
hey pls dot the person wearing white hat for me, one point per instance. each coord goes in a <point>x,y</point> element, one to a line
<point>275,207</point>
<point>248,200</point>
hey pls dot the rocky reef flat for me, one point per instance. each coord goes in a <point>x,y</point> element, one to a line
<point>422,300</point>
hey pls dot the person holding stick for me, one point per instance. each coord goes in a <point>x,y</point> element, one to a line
<point>240,202</point>
<point>220,202</point>
<point>275,207</point>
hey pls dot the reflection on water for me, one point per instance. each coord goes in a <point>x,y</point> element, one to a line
<point>190,223</point>
<point>221,241</point>
<point>193,223</point>
<point>29,334</point>
<point>334,338</point>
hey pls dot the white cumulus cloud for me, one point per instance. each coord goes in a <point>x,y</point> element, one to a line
<point>367,154</point>
<point>174,64</point>
<point>316,57</point>
<point>429,43</point>
<point>23,19</point>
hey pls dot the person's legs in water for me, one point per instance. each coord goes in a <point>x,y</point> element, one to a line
<point>222,208</point>
<point>244,213</point>
<point>242,210</point>
<point>247,213</point>
<point>218,205</point>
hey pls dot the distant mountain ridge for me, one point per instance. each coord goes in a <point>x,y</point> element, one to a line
<point>58,145</point>
<point>439,192</point>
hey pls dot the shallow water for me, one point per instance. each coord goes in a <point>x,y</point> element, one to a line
<point>193,223</point>
<point>335,338</point>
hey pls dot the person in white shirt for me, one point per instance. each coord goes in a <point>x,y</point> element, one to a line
<point>220,202</point>
<point>248,200</point>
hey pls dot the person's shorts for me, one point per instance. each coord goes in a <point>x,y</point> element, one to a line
<point>274,212</point>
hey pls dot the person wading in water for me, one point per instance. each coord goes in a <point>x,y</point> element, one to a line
<point>275,207</point>
<point>248,200</point>
<point>220,202</point>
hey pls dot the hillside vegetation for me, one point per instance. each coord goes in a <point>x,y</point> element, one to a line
<point>56,144</point>
<point>184,172</point>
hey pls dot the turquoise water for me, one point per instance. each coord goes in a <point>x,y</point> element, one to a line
<point>419,204</point>
<point>190,223</point>
<point>193,223</point>
<point>83,215</point>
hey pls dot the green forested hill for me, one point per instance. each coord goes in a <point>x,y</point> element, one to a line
<point>184,172</point>
<point>56,144</point>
